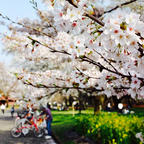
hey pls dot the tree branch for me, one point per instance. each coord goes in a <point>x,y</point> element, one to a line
<point>104,68</point>
<point>51,49</point>
<point>85,74</point>
<point>87,15</point>
<point>123,4</point>
<point>87,59</point>
<point>95,19</point>
<point>106,60</point>
<point>48,95</point>
<point>58,87</point>
<point>25,26</point>
<point>73,4</point>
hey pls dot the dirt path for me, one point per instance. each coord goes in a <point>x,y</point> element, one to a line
<point>6,123</point>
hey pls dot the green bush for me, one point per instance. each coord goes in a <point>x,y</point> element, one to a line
<point>111,128</point>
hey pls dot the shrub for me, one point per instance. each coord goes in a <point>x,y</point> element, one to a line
<point>111,128</point>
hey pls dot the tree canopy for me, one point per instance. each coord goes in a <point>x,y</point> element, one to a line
<point>79,44</point>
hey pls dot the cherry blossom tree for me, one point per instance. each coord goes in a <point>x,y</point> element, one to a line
<point>10,87</point>
<point>81,45</point>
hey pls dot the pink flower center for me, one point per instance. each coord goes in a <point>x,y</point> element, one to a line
<point>135,82</point>
<point>78,42</point>
<point>91,42</point>
<point>130,29</point>
<point>116,31</point>
<point>133,43</point>
<point>74,24</point>
<point>61,14</point>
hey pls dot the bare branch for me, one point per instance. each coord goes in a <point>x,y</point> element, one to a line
<point>103,68</point>
<point>35,6</point>
<point>106,60</point>
<point>58,87</point>
<point>95,19</point>
<point>51,49</point>
<point>71,2</point>
<point>86,74</point>
<point>25,26</point>
<point>123,4</point>
<point>48,95</point>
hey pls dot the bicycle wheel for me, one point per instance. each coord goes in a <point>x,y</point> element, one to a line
<point>38,133</point>
<point>15,132</point>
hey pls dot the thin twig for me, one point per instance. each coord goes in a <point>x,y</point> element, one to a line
<point>51,49</point>
<point>25,26</point>
<point>86,74</point>
<point>123,4</point>
<point>106,60</point>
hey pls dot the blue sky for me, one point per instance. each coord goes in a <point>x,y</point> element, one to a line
<point>15,9</point>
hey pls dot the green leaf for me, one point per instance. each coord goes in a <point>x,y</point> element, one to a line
<point>66,89</point>
<point>123,25</point>
<point>113,77</point>
<point>16,74</point>
<point>119,45</point>
<point>90,53</point>
<point>33,41</point>
<point>39,84</point>
<point>27,81</point>
<point>75,85</point>
<point>86,79</point>
<point>29,37</point>
<point>54,85</point>
<point>81,56</point>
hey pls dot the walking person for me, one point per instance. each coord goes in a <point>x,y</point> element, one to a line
<point>12,111</point>
<point>47,112</point>
<point>3,108</point>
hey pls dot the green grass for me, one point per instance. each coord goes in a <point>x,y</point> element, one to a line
<point>138,111</point>
<point>64,121</point>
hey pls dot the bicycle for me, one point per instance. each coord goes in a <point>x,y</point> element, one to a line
<point>27,126</point>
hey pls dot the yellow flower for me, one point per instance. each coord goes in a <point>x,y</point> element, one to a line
<point>88,131</point>
<point>125,135</point>
<point>97,126</point>
<point>113,141</point>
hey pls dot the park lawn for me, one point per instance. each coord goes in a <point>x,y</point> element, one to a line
<point>139,111</point>
<point>64,122</point>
